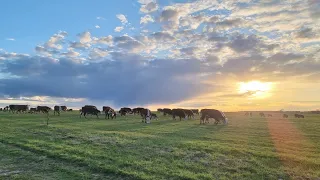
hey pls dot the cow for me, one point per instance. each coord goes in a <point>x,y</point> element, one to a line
<point>154,116</point>
<point>18,108</point>
<point>217,115</point>
<point>57,109</point>
<point>146,115</point>
<point>298,116</point>
<point>33,110</point>
<point>262,114</point>
<point>189,113</point>
<point>195,111</point>
<point>285,116</point>
<point>269,115</point>
<point>6,108</point>
<point>178,112</point>
<point>89,109</point>
<point>70,110</point>
<point>0,109</point>
<point>64,108</point>
<point>167,111</point>
<point>160,110</point>
<point>43,109</point>
<point>137,110</point>
<point>124,111</point>
<point>109,112</point>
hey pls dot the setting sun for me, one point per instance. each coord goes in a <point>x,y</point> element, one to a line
<point>257,88</point>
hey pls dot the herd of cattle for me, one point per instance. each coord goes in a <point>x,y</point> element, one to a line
<point>270,115</point>
<point>146,114</point>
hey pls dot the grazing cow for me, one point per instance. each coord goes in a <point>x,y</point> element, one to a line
<point>195,111</point>
<point>57,109</point>
<point>189,113</point>
<point>285,116</point>
<point>154,116</point>
<point>298,115</point>
<point>160,110</point>
<point>109,112</point>
<point>64,108</point>
<point>262,115</point>
<point>167,111</point>
<point>18,108</point>
<point>43,109</point>
<point>137,110</point>
<point>217,115</point>
<point>178,112</point>
<point>269,115</point>
<point>124,111</point>
<point>146,115</point>
<point>88,109</point>
<point>70,110</point>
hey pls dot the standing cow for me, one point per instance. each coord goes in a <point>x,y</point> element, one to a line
<point>195,111</point>
<point>217,115</point>
<point>57,109</point>
<point>146,115</point>
<point>18,108</point>
<point>178,112</point>
<point>88,109</point>
<point>109,112</point>
<point>43,109</point>
<point>167,111</point>
<point>189,113</point>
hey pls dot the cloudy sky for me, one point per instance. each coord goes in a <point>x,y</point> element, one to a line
<point>230,55</point>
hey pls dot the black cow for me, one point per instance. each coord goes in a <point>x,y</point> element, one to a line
<point>124,111</point>
<point>0,109</point>
<point>262,115</point>
<point>160,110</point>
<point>43,109</point>
<point>154,116</point>
<point>89,109</point>
<point>285,116</point>
<point>167,111</point>
<point>18,108</point>
<point>33,110</point>
<point>64,108</point>
<point>189,113</point>
<point>298,115</point>
<point>137,110</point>
<point>195,111</point>
<point>217,115</point>
<point>57,109</point>
<point>70,110</point>
<point>146,115</point>
<point>178,112</point>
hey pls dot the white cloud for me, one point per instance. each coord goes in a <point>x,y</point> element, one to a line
<point>10,39</point>
<point>122,18</point>
<point>149,7</point>
<point>100,18</point>
<point>97,53</point>
<point>118,29</point>
<point>56,40</point>
<point>145,19</point>
<point>97,27</point>
<point>85,37</point>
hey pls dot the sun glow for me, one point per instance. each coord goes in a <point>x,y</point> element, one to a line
<point>255,88</point>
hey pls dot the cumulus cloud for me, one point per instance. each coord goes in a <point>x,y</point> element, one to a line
<point>122,18</point>
<point>97,27</point>
<point>85,37</point>
<point>149,7</point>
<point>145,19</point>
<point>118,29</point>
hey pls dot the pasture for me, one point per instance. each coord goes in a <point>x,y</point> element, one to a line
<point>124,148</point>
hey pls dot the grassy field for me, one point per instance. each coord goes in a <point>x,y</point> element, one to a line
<point>125,148</point>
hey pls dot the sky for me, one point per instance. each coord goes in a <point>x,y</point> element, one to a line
<point>233,55</point>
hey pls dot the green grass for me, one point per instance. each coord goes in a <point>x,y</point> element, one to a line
<point>125,148</point>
